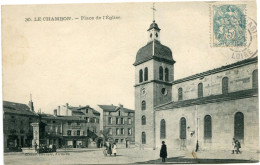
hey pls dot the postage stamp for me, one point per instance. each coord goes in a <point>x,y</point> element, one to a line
<point>228,26</point>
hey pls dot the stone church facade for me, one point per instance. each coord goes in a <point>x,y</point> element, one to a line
<point>203,111</point>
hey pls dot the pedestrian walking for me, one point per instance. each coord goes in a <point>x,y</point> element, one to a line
<point>163,151</point>
<point>233,145</point>
<point>237,146</point>
<point>114,149</point>
<point>109,151</point>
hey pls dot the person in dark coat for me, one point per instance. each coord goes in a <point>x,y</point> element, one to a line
<point>163,151</point>
<point>109,151</point>
<point>237,146</point>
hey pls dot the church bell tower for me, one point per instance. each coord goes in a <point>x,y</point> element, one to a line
<point>153,77</point>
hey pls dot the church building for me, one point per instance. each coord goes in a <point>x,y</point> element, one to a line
<point>204,111</point>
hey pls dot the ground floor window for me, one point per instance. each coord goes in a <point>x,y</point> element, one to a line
<point>183,128</point>
<point>207,127</point>
<point>239,126</point>
<point>163,129</point>
<point>143,138</point>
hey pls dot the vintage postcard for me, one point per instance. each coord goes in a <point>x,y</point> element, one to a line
<point>130,83</point>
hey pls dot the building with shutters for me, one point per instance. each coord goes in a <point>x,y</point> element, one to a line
<point>202,111</point>
<point>79,128</point>
<point>119,123</point>
<point>17,119</point>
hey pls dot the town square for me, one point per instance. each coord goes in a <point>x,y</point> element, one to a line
<point>130,83</point>
<point>128,156</point>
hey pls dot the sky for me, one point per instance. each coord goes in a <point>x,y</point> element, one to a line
<point>90,62</point>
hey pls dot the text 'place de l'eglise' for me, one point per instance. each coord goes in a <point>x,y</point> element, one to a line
<point>204,111</point>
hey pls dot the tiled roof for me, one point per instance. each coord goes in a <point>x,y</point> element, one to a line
<point>17,108</point>
<point>220,69</point>
<point>76,109</point>
<point>112,108</point>
<point>71,118</point>
<point>77,112</point>
<point>210,99</point>
<point>161,53</point>
<point>48,116</point>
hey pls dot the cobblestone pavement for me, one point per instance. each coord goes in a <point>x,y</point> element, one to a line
<point>128,156</point>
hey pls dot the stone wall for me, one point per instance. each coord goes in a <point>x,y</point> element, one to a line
<point>239,79</point>
<point>222,115</point>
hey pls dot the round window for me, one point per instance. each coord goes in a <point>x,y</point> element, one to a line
<point>143,91</point>
<point>164,91</point>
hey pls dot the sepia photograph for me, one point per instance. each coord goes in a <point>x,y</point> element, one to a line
<point>130,83</point>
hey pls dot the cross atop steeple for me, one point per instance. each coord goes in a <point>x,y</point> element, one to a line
<point>153,8</point>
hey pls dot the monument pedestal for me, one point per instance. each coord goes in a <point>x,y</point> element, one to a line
<point>36,138</point>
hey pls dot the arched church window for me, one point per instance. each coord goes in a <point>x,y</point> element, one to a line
<point>161,73</point>
<point>200,90</point>
<point>163,129</point>
<point>143,120</point>
<point>151,35</point>
<point>180,94</point>
<point>140,75</point>
<point>225,85</point>
<point>143,138</point>
<point>255,79</point>
<point>156,34</point>
<point>143,105</point>
<point>207,127</point>
<point>239,126</point>
<point>145,74</point>
<point>183,128</point>
<point>166,74</point>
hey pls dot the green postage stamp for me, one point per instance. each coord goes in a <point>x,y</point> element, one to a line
<point>228,25</point>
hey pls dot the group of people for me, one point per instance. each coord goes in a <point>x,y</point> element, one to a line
<point>235,149</point>
<point>111,148</point>
<point>236,146</point>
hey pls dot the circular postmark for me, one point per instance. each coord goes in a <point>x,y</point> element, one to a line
<point>250,50</point>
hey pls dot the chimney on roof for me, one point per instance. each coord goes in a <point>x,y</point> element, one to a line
<point>31,103</point>
<point>120,105</point>
<point>80,106</point>
<point>67,109</point>
<point>58,110</point>
<point>55,112</point>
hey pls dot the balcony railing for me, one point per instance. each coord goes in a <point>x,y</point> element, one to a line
<point>74,127</point>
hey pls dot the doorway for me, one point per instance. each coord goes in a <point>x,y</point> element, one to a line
<point>74,143</point>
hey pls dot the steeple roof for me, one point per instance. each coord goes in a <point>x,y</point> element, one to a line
<point>154,50</point>
<point>154,25</point>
